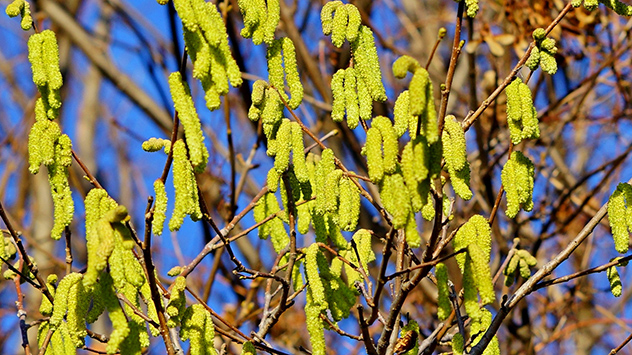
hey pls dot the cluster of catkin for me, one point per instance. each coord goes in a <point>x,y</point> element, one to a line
<point>207,44</point>
<point>543,54</point>
<point>475,238</point>
<point>355,88</point>
<point>47,145</point>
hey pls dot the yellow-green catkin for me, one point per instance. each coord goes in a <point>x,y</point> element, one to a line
<point>615,281</point>
<point>338,92</point>
<point>274,228</point>
<point>619,216</point>
<point>315,285</point>
<point>283,146</point>
<point>619,7</point>
<point>339,26</point>
<point>44,58</point>
<point>206,43</point>
<point>455,156</point>
<point>521,262</point>
<point>160,207</point>
<point>414,165</point>
<point>367,63</point>
<point>100,242</point>
<point>22,8</point>
<point>62,299</point>
<point>291,73</point>
<point>421,107</point>
<point>255,14</point>
<point>298,154</point>
<point>64,206</point>
<point>518,177</point>
<point>522,117</point>
<point>326,15</point>
<point>324,167</point>
<point>46,307</point>
<point>198,328</point>
<point>362,239</point>
<point>351,98</point>
<point>543,53</point>
<point>181,94</point>
<point>186,201</point>
<point>281,57</point>
<point>395,199</point>
<point>349,209</point>
<point>381,148</point>
<point>401,114</point>
<point>177,303</point>
<point>481,273</point>
<point>475,230</point>
<point>444,306</point>
<point>156,144</point>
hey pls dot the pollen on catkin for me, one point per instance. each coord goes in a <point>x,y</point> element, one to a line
<point>481,272</point>
<point>444,306</point>
<point>367,63</point>
<point>181,94</point>
<point>395,199</point>
<point>455,155</point>
<point>160,207</point>
<point>186,201</point>
<point>619,216</point>
<point>22,8</point>
<point>338,92</point>
<point>518,178</point>
<point>351,98</point>
<point>615,281</point>
<point>349,209</point>
<point>475,230</point>
<point>522,117</point>
<point>390,146</point>
<point>64,206</point>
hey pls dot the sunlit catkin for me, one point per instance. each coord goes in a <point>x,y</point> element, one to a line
<point>618,216</point>
<point>455,156</point>
<point>338,92</point>
<point>615,281</point>
<point>472,7</point>
<point>298,154</point>
<point>160,207</point>
<point>395,199</point>
<point>186,201</point>
<point>482,273</point>
<point>475,230</point>
<point>197,327</point>
<point>401,113</point>
<point>367,63</point>
<point>518,177</point>
<point>339,26</point>
<point>326,15</point>
<point>444,306</point>
<point>283,146</point>
<point>22,8</point>
<point>349,209</point>
<point>351,98</point>
<point>324,167</point>
<point>390,146</point>
<point>181,94</point>
<point>64,206</point>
